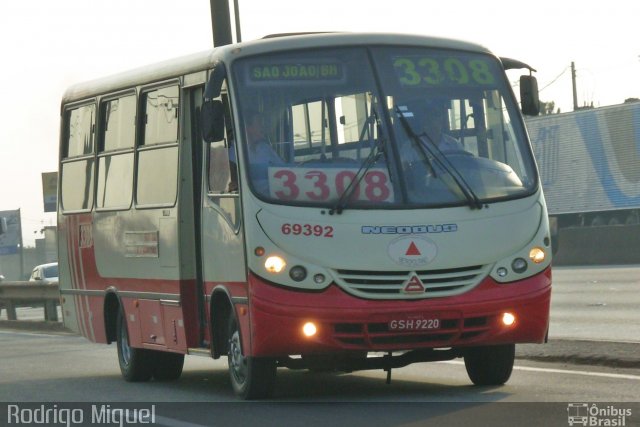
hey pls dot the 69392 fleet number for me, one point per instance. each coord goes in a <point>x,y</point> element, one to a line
<point>315,230</point>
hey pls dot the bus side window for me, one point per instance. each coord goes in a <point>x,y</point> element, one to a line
<point>115,152</point>
<point>222,169</point>
<point>78,165</point>
<point>157,183</point>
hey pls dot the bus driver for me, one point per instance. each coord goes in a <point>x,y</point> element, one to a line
<point>434,126</point>
<point>260,150</point>
<point>261,153</point>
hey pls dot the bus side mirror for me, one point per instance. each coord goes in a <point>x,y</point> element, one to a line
<point>3,225</point>
<point>212,119</point>
<point>529,101</point>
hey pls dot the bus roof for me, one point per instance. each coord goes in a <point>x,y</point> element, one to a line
<point>205,60</point>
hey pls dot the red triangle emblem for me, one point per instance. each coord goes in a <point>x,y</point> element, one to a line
<point>414,285</point>
<point>413,250</point>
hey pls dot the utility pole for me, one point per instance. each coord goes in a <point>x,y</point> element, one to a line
<point>221,22</point>
<point>21,245</point>
<point>236,12</point>
<point>573,81</point>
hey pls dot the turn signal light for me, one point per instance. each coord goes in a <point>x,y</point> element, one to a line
<point>537,255</point>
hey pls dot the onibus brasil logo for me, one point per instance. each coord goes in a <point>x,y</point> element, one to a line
<point>597,415</point>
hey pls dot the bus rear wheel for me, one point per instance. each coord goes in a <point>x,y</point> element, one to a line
<point>251,377</point>
<point>167,366</point>
<point>490,365</point>
<point>136,365</point>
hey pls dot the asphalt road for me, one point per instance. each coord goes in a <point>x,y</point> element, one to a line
<point>40,367</point>
<point>67,368</point>
<point>596,303</point>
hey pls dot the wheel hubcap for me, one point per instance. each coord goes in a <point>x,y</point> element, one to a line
<point>125,349</point>
<point>237,361</point>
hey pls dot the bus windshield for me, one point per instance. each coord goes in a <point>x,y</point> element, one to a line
<point>392,127</point>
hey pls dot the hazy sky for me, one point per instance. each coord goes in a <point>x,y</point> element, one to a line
<point>50,45</point>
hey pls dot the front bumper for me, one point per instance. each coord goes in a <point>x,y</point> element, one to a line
<point>346,323</point>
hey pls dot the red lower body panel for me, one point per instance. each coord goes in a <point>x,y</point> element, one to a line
<point>347,323</point>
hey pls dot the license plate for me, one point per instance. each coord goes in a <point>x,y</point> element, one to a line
<point>414,324</point>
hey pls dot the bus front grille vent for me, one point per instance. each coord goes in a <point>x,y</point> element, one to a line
<point>453,330</point>
<point>394,284</point>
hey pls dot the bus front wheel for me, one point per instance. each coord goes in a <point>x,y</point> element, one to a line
<point>251,377</point>
<point>136,364</point>
<point>490,365</point>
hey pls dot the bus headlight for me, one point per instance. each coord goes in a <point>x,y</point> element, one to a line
<point>519,265</point>
<point>298,273</point>
<point>274,264</point>
<point>537,255</point>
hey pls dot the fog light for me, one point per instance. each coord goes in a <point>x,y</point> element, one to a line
<point>298,273</point>
<point>319,278</point>
<point>508,319</point>
<point>274,264</point>
<point>537,255</point>
<point>502,272</point>
<point>519,265</point>
<point>309,329</point>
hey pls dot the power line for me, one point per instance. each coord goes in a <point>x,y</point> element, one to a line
<point>554,80</point>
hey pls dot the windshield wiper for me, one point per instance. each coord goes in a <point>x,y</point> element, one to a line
<point>431,151</point>
<point>368,163</point>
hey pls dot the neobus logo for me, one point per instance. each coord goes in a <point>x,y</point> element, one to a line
<point>409,229</point>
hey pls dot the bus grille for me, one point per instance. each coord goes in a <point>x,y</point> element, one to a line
<point>392,284</point>
<point>453,330</point>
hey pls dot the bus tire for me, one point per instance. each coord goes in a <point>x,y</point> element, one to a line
<point>490,365</point>
<point>136,364</point>
<point>251,377</point>
<point>167,366</point>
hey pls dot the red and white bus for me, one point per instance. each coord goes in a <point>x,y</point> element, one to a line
<point>327,201</point>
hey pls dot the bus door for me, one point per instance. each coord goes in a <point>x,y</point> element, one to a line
<point>221,235</point>
<point>191,233</point>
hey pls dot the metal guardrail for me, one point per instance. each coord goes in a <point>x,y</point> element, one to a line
<point>16,294</point>
<point>602,245</point>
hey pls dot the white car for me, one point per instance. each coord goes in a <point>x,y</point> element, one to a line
<point>47,273</point>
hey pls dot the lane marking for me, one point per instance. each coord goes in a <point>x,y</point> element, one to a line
<point>587,373</point>
<point>564,371</point>
<point>170,422</point>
